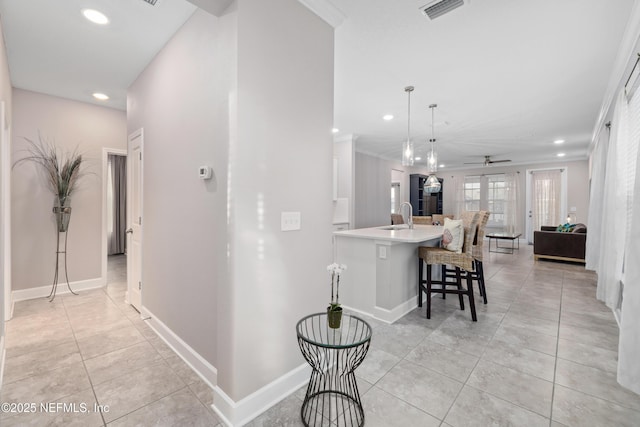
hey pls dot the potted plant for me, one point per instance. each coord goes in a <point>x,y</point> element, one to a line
<point>334,311</point>
<point>61,170</point>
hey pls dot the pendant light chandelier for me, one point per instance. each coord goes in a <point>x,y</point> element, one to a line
<point>431,184</point>
<point>407,146</point>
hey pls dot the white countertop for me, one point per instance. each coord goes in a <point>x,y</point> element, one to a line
<point>420,233</point>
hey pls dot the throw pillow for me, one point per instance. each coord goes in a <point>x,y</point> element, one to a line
<point>580,228</point>
<point>453,235</point>
<point>566,228</point>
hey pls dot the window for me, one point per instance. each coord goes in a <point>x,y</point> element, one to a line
<point>486,192</point>
<point>472,193</point>
<point>395,197</point>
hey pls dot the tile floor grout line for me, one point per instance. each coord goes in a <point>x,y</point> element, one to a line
<point>93,390</point>
<point>555,360</point>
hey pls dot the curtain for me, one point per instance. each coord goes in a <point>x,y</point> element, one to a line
<point>596,207</point>
<point>629,340</point>
<point>511,193</point>
<point>546,190</point>
<point>614,217</point>
<point>117,204</point>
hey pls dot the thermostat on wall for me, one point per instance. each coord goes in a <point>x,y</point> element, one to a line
<point>204,172</point>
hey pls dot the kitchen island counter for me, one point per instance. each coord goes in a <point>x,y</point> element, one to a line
<point>381,279</point>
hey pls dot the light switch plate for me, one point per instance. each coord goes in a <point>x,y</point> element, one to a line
<point>290,221</point>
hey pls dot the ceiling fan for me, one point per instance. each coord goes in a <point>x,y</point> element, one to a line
<point>487,161</point>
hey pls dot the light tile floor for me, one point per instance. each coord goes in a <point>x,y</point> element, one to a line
<point>543,352</point>
<point>94,351</point>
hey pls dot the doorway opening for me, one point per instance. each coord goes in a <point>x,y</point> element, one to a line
<point>114,263</point>
<point>546,198</point>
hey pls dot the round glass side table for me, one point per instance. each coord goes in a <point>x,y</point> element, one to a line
<point>332,394</point>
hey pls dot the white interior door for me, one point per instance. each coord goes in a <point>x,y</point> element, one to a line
<point>134,219</point>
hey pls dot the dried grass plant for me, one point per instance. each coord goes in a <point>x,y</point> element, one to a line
<point>61,169</point>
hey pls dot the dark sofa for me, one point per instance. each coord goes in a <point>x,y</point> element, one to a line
<point>551,244</point>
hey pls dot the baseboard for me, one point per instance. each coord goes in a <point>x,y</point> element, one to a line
<point>43,291</point>
<point>200,366</point>
<point>388,316</point>
<point>235,414</point>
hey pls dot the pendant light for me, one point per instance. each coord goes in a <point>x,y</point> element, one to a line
<point>407,146</point>
<point>431,184</point>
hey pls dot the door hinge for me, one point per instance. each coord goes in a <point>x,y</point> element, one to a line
<point>140,156</point>
<point>139,286</point>
<point>139,220</point>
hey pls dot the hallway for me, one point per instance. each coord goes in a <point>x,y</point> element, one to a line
<point>94,349</point>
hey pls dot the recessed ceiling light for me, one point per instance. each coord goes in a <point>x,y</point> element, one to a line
<point>561,154</point>
<point>417,158</point>
<point>335,130</point>
<point>387,117</point>
<point>95,16</point>
<point>558,141</point>
<point>441,166</point>
<point>100,96</point>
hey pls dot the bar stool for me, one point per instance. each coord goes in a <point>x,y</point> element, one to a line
<point>477,273</point>
<point>463,263</point>
<point>423,220</point>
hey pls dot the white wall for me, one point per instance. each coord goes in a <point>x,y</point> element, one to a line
<point>280,161</point>
<point>182,100</point>
<point>70,124</point>
<point>5,196</point>
<point>373,189</point>
<point>251,94</point>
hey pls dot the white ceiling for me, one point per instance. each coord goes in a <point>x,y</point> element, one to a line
<point>53,49</point>
<point>509,76</point>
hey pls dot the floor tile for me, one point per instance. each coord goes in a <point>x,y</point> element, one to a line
<point>427,390</point>
<point>595,382</point>
<point>48,386</point>
<point>445,360</point>
<point>589,355</point>
<point>181,408</point>
<point>285,414</point>
<point>106,342</point>
<point>77,410</point>
<point>376,364</point>
<point>38,362</point>
<point>526,338</point>
<point>116,363</point>
<point>573,408</point>
<point>474,408</point>
<point>507,384</point>
<point>522,359</point>
<point>383,410</point>
<point>134,390</point>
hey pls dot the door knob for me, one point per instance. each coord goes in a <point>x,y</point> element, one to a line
<point>129,231</point>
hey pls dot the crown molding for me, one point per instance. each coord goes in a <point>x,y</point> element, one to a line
<point>325,10</point>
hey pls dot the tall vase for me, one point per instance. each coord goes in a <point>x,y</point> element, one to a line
<point>62,211</point>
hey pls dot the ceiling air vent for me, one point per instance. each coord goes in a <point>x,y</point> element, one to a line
<point>437,8</point>
<point>151,2</point>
